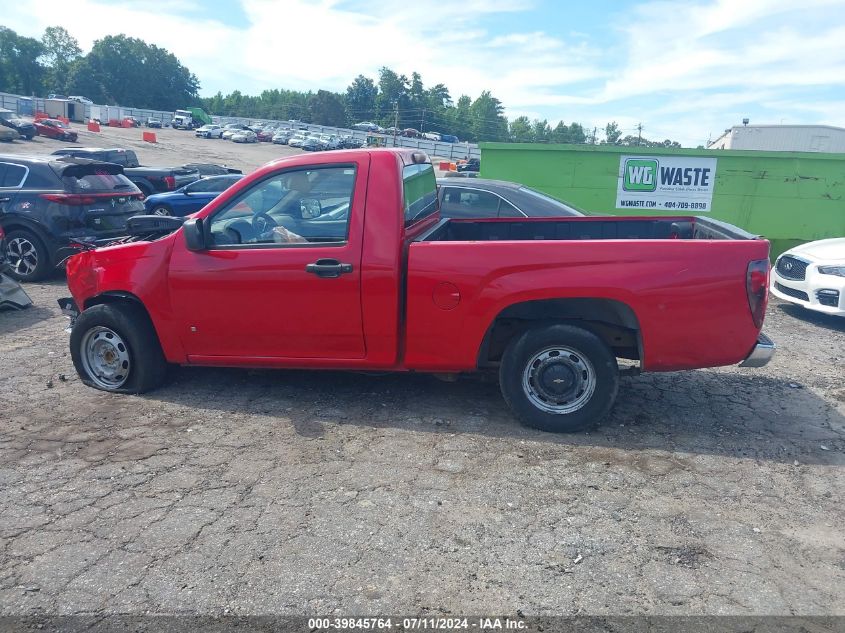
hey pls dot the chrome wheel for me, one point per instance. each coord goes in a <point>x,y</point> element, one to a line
<point>23,256</point>
<point>161,211</point>
<point>559,380</point>
<point>105,357</point>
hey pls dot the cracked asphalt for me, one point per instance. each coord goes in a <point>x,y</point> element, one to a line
<point>268,492</point>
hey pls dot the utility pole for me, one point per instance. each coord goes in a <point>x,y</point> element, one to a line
<point>639,134</point>
<point>595,129</point>
<point>422,122</point>
<point>395,121</point>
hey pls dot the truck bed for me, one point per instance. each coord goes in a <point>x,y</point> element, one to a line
<point>679,282</point>
<point>586,228</point>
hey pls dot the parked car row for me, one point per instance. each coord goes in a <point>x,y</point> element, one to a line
<point>369,126</point>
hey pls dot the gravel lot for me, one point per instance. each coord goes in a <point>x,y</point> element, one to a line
<point>270,492</point>
<point>173,147</point>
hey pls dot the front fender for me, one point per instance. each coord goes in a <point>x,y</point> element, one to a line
<point>136,270</point>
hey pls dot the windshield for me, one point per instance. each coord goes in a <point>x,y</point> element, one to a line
<point>100,183</point>
<point>182,113</point>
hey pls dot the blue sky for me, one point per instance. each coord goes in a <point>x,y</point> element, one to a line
<point>685,70</point>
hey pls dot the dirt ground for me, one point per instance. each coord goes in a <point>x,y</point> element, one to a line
<point>269,492</point>
<point>173,147</point>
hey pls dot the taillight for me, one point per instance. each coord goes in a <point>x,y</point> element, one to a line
<point>170,182</point>
<point>2,234</point>
<point>82,199</point>
<point>757,288</point>
<point>71,199</point>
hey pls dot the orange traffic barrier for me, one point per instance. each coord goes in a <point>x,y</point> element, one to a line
<point>93,126</point>
<point>444,166</point>
<point>64,119</point>
<point>149,137</point>
<point>41,115</point>
<point>114,122</point>
<point>453,167</point>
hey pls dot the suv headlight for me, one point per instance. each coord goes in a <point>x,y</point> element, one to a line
<point>839,271</point>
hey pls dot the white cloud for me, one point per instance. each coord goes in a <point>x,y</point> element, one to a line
<point>683,69</point>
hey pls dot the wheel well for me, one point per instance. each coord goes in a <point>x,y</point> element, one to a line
<point>114,297</point>
<point>612,321</point>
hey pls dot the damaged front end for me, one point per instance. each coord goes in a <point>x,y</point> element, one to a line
<point>11,293</point>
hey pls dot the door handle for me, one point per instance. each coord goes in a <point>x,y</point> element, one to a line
<point>5,199</point>
<point>328,268</point>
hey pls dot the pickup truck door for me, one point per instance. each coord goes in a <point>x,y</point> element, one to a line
<point>253,295</point>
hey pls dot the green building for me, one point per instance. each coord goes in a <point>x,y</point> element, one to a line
<point>788,197</point>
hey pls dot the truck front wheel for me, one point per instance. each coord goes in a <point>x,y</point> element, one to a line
<point>559,378</point>
<point>114,347</point>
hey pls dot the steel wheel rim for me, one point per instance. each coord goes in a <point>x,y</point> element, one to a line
<point>559,380</point>
<point>23,256</point>
<point>161,211</point>
<point>105,357</point>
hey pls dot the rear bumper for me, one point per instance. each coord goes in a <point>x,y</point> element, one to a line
<point>762,353</point>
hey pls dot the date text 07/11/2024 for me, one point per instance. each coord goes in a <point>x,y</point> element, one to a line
<point>416,624</point>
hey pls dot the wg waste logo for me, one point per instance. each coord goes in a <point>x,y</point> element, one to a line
<point>665,183</point>
<point>640,174</point>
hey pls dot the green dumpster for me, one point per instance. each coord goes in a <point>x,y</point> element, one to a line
<point>788,197</point>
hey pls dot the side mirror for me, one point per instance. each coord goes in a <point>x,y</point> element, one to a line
<point>194,234</point>
<point>310,208</point>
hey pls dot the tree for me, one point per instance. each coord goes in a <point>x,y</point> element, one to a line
<point>326,108</point>
<point>393,92</point>
<point>488,122</point>
<point>132,72</point>
<point>541,131</point>
<point>520,130</point>
<point>612,133</point>
<point>361,98</point>
<point>60,51</point>
<point>20,68</point>
<point>460,118</point>
<point>81,79</point>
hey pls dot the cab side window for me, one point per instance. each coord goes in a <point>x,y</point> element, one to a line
<point>296,207</point>
<point>11,175</point>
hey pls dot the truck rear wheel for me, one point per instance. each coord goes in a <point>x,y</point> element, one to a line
<point>559,378</point>
<point>114,347</point>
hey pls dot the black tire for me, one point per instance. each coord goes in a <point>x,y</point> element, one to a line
<point>161,209</point>
<point>559,391</point>
<point>146,368</point>
<point>28,256</point>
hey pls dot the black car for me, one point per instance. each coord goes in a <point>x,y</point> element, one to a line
<point>483,198</point>
<point>211,169</point>
<point>25,128</point>
<point>473,164</point>
<point>119,156</point>
<point>46,202</point>
<point>153,123</point>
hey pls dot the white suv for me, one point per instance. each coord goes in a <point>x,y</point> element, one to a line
<point>210,131</point>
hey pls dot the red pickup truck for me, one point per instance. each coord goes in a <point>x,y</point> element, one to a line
<point>341,261</point>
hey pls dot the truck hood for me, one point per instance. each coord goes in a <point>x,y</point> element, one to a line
<point>831,249</point>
